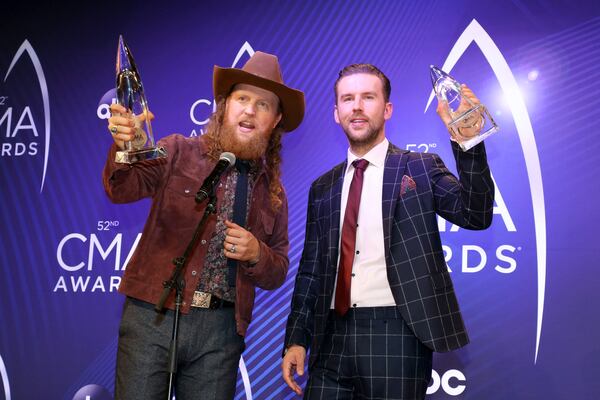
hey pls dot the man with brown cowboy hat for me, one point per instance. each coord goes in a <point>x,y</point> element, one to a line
<point>254,108</point>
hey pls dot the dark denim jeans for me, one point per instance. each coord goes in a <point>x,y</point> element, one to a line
<point>208,355</point>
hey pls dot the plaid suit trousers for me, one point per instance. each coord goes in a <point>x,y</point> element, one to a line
<point>370,353</point>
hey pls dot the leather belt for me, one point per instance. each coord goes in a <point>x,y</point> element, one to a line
<point>209,300</point>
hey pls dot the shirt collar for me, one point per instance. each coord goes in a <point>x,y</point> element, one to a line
<point>375,156</point>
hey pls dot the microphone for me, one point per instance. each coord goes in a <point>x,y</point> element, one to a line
<point>226,159</point>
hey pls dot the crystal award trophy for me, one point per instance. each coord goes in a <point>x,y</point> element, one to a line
<point>130,94</point>
<point>471,123</point>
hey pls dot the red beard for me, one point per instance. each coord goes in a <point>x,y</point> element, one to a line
<point>245,151</point>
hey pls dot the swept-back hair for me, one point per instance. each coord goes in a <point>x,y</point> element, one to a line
<point>365,69</point>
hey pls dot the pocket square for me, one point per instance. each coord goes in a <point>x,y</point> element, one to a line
<point>407,185</point>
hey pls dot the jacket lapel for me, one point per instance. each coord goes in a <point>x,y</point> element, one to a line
<point>334,197</point>
<point>395,164</point>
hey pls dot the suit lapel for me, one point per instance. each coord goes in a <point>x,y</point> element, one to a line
<point>334,196</point>
<point>395,164</point>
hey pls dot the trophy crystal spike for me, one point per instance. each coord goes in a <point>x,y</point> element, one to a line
<point>130,94</point>
<point>464,118</point>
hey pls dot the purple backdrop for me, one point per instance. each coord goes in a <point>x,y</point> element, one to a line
<point>527,286</point>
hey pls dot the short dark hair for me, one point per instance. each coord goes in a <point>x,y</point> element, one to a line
<point>365,69</point>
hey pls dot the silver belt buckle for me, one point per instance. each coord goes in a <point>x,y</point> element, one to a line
<point>201,300</point>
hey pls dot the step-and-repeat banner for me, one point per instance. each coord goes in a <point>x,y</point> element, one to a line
<point>527,286</point>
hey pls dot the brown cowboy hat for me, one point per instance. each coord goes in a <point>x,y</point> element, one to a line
<point>262,70</point>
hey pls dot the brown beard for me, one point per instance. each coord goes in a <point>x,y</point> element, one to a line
<point>244,151</point>
<point>368,139</point>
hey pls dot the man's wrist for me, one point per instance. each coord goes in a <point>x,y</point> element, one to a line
<point>255,260</point>
<point>290,346</point>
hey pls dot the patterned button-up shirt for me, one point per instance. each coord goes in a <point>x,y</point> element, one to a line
<point>215,274</point>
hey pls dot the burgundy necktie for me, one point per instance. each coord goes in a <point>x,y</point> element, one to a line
<point>348,245</point>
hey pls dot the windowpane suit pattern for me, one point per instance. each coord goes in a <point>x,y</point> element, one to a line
<point>416,270</point>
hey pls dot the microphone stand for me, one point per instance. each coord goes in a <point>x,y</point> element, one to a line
<point>177,282</point>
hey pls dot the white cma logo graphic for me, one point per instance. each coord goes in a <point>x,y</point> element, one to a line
<point>475,33</point>
<point>212,105</point>
<point>26,121</point>
<point>5,383</point>
<point>246,48</point>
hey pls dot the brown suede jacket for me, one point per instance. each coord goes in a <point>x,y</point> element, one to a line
<point>172,184</point>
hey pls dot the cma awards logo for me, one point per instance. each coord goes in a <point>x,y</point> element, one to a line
<point>5,383</point>
<point>21,136</point>
<point>475,33</point>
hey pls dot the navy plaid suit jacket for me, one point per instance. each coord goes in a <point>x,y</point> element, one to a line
<point>416,269</point>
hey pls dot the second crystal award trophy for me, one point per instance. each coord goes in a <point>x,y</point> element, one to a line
<point>130,94</point>
<point>471,123</point>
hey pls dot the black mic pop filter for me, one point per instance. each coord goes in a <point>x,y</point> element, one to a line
<point>226,159</point>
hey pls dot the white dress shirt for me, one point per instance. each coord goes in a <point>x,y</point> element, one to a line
<point>369,286</point>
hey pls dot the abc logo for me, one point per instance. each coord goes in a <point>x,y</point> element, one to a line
<point>452,382</point>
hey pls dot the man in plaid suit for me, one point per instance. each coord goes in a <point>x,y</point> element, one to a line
<point>373,297</point>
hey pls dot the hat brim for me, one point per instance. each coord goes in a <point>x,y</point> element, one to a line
<point>292,100</point>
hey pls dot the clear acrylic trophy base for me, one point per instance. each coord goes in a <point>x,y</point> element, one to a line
<point>464,121</point>
<point>130,157</point>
